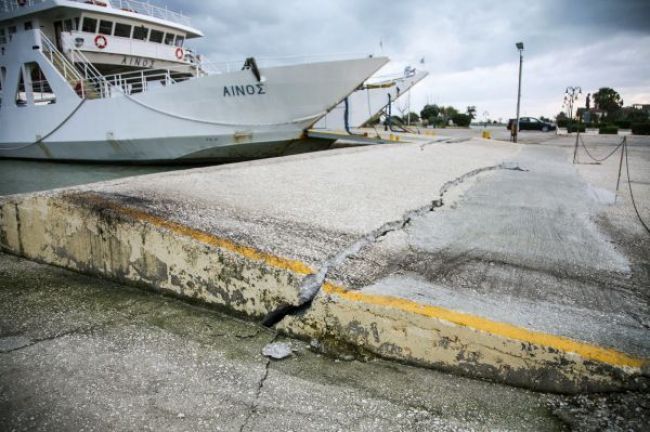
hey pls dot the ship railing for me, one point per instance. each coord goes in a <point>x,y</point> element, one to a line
<point>65,67</point>
<point>144,8</point>
<point>95,84</point>
<point>151,10</point>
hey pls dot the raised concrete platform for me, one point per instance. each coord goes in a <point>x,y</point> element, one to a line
<point>479,257</point>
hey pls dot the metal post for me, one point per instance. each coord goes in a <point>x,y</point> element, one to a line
<point>620,168</point>
<point>520,47</point>
<point>575,148</point>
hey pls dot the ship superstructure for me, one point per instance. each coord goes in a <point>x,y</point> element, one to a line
<point>116,81</point>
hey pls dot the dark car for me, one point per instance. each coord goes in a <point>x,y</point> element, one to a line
<point>531,123</point>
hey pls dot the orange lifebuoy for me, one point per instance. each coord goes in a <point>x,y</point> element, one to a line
<point>179,53</point>
<point>21,2</point>
<point>101,42</point>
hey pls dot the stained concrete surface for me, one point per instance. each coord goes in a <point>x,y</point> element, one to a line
<point>78,353</point>
<point>524,247</point>
<point>512,224</point>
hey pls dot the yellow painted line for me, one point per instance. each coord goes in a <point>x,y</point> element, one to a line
<point>203,237</point>
<point>586,351</point>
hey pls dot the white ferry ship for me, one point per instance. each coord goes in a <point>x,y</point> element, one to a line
<point>115,81</point>
<point>371,100</point>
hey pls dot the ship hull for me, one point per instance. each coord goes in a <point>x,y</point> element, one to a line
<point>228,116</point>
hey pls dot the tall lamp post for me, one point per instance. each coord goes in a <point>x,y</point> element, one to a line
<point>520,47</point>
<point>571,95</point>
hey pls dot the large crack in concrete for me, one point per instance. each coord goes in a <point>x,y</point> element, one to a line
<point>313,283</point>
<point>260,386</point>
<point>22,343</point>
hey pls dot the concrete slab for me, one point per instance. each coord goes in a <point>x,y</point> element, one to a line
<point>454,255</point>
<point>106,357</point>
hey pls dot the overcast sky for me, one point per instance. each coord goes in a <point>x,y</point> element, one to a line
<point>468,46</point>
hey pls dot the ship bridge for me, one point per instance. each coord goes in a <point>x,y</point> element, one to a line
<point>116,36</point>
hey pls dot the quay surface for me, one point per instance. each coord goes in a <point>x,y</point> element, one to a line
<point>480,257</point>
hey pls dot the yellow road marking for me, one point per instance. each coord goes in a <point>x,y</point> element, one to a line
<point>205,238</point>
<point>585,350</point>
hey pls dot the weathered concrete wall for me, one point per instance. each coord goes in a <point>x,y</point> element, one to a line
<point>462,343</point>
<point>90,235</point>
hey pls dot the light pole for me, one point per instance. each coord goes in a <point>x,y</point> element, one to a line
<point>520,47</point>
<point>571,95</point>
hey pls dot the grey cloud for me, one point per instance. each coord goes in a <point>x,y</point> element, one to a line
<point>456,38</point>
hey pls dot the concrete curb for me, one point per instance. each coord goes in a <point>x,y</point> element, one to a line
<point>91,233</point>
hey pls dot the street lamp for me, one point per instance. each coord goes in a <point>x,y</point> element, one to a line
<point>571,95</point>
<point>520,47</point>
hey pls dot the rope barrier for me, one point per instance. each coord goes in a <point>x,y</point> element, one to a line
<point>606,157</point>
<point>629,184</point>
<point>623,146</point>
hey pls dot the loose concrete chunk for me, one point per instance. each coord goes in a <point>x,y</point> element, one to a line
<point>277,350</point>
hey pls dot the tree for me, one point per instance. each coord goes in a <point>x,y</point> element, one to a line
<point>430,111</point>
<point>608,100</point>
<point>462,120</point>
<point>449,112</point>
<point>471,111</point>
<point>414,117</point>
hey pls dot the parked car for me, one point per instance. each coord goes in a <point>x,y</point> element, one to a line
<point>531,123</point>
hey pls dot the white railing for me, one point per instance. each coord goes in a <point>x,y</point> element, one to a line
<point>144,8</point>
<point>151,10</point>
<point>64,66</point>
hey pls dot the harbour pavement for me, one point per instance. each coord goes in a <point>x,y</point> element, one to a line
<point>81,353</point>
<point>480,257</point>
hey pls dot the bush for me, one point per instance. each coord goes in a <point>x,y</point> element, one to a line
<point>437,122</point>
<point>562,123</point>
<point>608,130</point>
<point>462,120</point>
<point>575,127</point>
<point>623,124</point>
<point>641,129</point>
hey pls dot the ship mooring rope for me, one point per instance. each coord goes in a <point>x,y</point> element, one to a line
<point>53,131</point>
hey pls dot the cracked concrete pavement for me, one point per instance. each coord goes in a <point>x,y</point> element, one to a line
<point>78,353</point>
<point>521,250</point>
<point>521,247</point>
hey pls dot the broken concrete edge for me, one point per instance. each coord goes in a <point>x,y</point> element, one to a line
<point>91,234</point>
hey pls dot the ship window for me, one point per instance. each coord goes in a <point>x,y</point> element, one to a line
<point>179,41</point>
<point>89,25</point>
<point>28,25</point>
<point>105,27</point>
<point>3,72</point>
<point>67,25</point>
<point>21,94</point>
<point>156,36</point>
<point>122,30</point>
<point>76,23</point>
<point>11,30</point>
<point>140,33</point>
<point>3,37</point>
<point>169,39</point>
<point>41,89</point>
